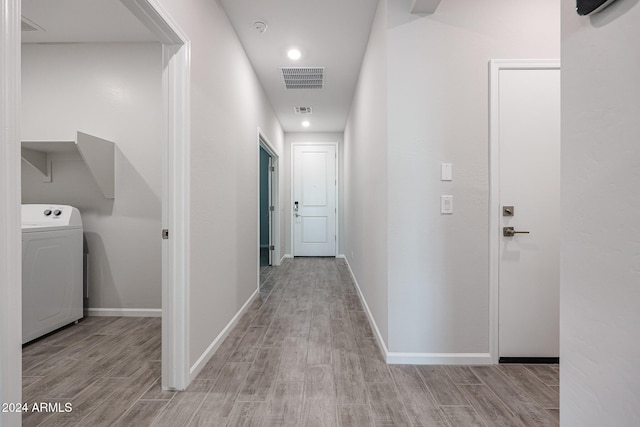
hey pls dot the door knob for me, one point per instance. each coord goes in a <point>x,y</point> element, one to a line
<point>510,232</point>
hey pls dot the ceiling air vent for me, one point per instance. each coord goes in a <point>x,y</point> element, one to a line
<point>302,110</point>
<point>303,77</point>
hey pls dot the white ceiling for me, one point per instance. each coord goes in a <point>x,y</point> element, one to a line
<point>82,21</point>
<point>330,33</point>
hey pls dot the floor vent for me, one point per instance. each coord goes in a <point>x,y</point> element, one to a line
<point>303,77</point>
<point>302,110</point>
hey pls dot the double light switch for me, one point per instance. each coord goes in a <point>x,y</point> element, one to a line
<point>446,201</point>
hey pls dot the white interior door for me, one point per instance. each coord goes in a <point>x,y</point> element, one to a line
<point>529,181</point>
<point>314,200</point>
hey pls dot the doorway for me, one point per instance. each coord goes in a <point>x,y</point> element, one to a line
<point>266,208</point>
<point>268,205</point>
<point>176,48</point>
<point>175,151</point>
<point>314,195</point>
<point>525,209</point>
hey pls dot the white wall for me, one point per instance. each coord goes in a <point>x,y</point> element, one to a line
<point>438,112</point>
<point>227,106</point>
<point>313,137</point>
<point>112,91</point>
<point>600,270</point>
<point>365,177</point>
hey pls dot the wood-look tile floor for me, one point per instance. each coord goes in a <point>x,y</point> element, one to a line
<point>304,354</point>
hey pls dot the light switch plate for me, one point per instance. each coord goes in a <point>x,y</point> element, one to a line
<point>447,172</point>
<point>446,204</point>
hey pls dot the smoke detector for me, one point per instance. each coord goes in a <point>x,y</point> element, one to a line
<point>260,26</point>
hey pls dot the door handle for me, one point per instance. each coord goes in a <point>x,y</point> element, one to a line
<point>510,232</point>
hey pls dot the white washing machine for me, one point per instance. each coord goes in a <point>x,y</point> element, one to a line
<point>52,258</point>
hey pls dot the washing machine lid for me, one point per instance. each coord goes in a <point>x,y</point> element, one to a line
<point>40,217</point>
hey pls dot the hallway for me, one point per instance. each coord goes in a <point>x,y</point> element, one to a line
<point>303,354</point>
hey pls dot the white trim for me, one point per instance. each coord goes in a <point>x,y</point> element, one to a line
<point>285,256</point>
<point>337,178</point>
<point>176,50</point>
<point>495,65</point>
<point>439,359</point>
<point>381,344</point>
<point>175,293</point>
<point>125,312</point>
<point>341,256</point>
<point>157,20</point>
<point>209,352</point>
<point>10,234</point>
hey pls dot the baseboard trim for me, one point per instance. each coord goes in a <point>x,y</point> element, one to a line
<point>439,359</point>
<point>395,358</point>
<point>342,256</point>
<point>125,312</point>
<point>209,352</point>
<point>530,360</point>
<point>287,256</point>
<point>381,344</point>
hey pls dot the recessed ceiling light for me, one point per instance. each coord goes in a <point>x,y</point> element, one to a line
<point>294,54</point>
<point>306,123</point>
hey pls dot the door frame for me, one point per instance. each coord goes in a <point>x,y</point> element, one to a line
<point>337,178</point>
<point>495,66</point>
<point>10,221</point>
<point>274,187</point>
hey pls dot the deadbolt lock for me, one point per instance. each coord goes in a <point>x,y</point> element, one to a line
<point>508,211</point>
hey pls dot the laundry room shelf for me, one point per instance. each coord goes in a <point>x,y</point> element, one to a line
<point>98,154</point>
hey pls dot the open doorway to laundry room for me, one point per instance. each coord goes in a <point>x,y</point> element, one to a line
<point>122,78</point>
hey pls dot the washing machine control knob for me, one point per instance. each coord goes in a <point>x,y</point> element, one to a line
<point>47,212</point>
<point>57,212</point>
